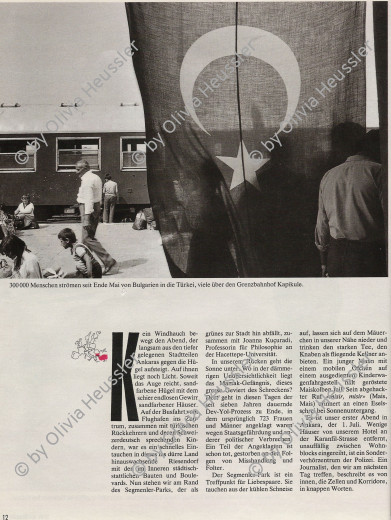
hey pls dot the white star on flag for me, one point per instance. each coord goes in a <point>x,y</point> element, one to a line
<point>251,166</point>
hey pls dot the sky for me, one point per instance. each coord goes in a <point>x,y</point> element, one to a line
<point>50,51</point>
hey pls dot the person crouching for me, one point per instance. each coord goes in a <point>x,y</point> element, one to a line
<point>86,265</point>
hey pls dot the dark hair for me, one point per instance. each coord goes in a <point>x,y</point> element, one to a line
<point>347,137</point>
<point>370,145</point>
<point>67,234</point>
<point>27,197</point>
<point>108,177</point>
<point>13,245</point>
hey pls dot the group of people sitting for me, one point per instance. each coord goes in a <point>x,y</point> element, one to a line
<point>25,263</point>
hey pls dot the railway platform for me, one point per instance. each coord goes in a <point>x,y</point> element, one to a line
<point>139,253</point>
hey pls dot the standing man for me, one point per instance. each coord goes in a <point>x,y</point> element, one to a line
<point>110,199</point>
<point>89,197</point>
<point>350,229</point>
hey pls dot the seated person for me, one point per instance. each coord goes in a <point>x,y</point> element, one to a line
<point>25,263</point>
<point>86,264</point>
<point>6,224</point>
<point>24,213</point>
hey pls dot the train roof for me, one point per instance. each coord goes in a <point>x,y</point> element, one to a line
<point>70,119</point>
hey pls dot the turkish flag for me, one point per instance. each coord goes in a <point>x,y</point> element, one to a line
<point>239,101</point>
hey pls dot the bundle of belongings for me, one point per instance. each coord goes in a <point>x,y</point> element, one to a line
<point>140,222</point>
<point>144,219</point>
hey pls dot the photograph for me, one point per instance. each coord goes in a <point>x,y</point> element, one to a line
<point>193,140</point>
<point>195,306</point>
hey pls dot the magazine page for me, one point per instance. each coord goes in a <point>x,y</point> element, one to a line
<point>195,305</point>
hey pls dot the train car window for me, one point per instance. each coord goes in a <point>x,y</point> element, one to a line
<point>73,149</point>
<point>133,150</point>
<point>18,154</point>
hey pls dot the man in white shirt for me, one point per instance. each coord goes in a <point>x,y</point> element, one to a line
<point>89,197</point>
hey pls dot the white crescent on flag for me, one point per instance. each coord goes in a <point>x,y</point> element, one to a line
<point>219,43</point>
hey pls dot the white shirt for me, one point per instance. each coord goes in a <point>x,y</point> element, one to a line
<point>90,191</point>
<point>29,267</point>
<point>110,188</point>
<point>28,210</point>
<point>351,203</point>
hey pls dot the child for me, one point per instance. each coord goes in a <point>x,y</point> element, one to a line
<point>86,265</point>
<point>25,263</point>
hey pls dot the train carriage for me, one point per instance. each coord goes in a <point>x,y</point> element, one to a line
<point>40,145</point>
